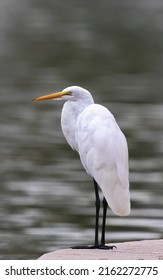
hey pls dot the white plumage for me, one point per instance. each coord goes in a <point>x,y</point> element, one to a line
<point>93,132</point>
<point>104,154</point>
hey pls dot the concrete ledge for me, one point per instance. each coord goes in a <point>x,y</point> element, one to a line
<point>135,250</point>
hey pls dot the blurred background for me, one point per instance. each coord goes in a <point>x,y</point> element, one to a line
<point>115,50</point>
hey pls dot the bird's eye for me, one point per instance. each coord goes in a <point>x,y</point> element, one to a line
<point>68,93</point>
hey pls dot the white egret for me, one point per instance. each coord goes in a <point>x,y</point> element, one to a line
<point>93,132</point>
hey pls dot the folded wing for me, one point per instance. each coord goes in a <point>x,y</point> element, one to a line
<point>104,154</point>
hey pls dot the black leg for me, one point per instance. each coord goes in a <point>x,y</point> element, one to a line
<point>105,205</point>
<point>97,204</point>
<point>102,245</point>
<point>96,242</point>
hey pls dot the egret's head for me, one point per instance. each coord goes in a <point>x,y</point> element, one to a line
<point>73,93</point>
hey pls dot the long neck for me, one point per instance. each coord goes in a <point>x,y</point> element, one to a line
<point>70,113</point>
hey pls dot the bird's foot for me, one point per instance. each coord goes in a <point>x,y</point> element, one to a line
<point>106,247</point>
<point>98,246</point>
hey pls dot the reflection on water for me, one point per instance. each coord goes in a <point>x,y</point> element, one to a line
<point>46,198</point>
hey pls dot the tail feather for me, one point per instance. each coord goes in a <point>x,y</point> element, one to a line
<point>116,194</point>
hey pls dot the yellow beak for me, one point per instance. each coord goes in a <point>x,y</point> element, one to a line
<point>50,96</point>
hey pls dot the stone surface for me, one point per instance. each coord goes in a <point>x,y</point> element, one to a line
<point>135,250</point>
